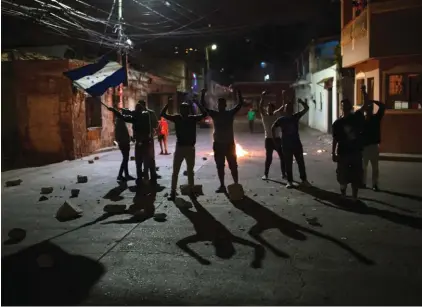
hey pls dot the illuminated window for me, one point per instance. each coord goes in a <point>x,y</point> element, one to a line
<point>395,83</point>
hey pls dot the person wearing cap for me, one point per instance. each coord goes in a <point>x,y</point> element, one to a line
<point>144,124</point>
<point>185,125</point>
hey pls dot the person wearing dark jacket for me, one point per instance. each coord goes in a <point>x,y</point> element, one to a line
<point>123,141</point>
<point>371,141</point>
<point>144,124</point>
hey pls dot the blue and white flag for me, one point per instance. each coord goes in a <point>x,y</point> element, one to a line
<point>96,78</point>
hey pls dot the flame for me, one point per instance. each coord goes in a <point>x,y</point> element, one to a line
<point>240,152</point>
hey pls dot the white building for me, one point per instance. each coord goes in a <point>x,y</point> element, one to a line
<point>318,84</point>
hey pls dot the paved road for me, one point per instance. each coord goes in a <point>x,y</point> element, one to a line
<point>265,250</point>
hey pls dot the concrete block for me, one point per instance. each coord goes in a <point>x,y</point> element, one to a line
<point>96,158</point>
<point>115,209</point>
<point>13,183</point>
<point>90,161</point>
<point>74,192</point>
<point>235,191</point>
<point>185,189</point>
<point>47,190</point>
<point>68,211</point>
<point>82,179</point>
<point>17,234</point>
<point>42,198</point>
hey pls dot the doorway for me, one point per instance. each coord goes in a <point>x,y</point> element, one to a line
<point>330,110</point>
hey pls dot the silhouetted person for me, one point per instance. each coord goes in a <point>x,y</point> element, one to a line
<point>144,123</point>
<point>290,141</point>
<point>269,116</point>
<point>185,125</point>
<point>224,145</point>
<point>123,141</point>
<point>347,148</point>
<point>251,119</point>
<point>371,140</point>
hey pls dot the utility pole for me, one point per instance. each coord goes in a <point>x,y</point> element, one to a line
<point>118,92</point>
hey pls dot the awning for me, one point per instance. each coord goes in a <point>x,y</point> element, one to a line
<point>328,82</point>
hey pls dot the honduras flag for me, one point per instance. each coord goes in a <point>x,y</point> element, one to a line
<point>96,78</point>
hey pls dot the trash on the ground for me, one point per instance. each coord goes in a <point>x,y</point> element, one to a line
<point>313,221</point>
<point>271,194</point>
<point>166,194</point>
<point>182,204</point>
<point>82,179</point>
<point>64,188</point>
<point>255,195</point>
<point>235,191</point>
<point>13,183</point>
<point>343,238</point>
<point>17,235</point>
<point>303,214</point>
<point>90,161</point>
<point>74,192</point>
<point>115,209</point>
<point>319,151</point>
<point>45,261</point>
<point>68,211</point>
<point>186,190</point>
<point>42,198</point>
<point>132,158</point>
<point>47,190</point>
<point>185,173</point>
<point>160,217</point>
<point>204,158</point>
<point>96,158</point>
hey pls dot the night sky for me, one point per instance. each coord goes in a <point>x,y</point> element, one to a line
<point>265,30</point>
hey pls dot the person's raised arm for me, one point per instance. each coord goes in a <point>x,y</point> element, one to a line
<point>210,112</point>
<point>381,108</point>
<point>304,111</point>
<point>366,101</point>
<point>201,107</point>
<point>261,103</point>
<point>125,117</point>
<point>165,115</point>
<point>239,103</point>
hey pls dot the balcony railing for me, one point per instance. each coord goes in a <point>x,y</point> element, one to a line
<point>355,29</point>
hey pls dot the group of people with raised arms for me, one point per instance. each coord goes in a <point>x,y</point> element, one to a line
<point>356,136</point>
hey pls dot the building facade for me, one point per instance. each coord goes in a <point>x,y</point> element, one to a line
<point>378,42</point>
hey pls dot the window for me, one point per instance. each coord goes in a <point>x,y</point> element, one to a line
<point>93,113</point>
<point>359,98</point>
<point>404,91</point>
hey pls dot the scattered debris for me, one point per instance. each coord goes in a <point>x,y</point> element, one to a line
<point>115,209</point>
<point>241,228</point>
<point>160,217</point>
<point>68,211</point>
<point>235,191</point>
<point>42,198</point>
<point>182,204</point>
<point>74,192</point>
<point>47,190</point>
<point>96,158</point>
<point>16,235</point>
<point>271,194</point>
<point>82,179</point>
<point>166,194</point>
<point>64,188</point>
<point>197,190</point>
<point>319,151</point>
<point>303,214</point>
<point>157,168</point>
<point>255,195</point>
<point>343,238</point>
<point>132,158</point>
<point>305,154</point>
<point>313,221</point>
<point>90,161</point>
<point>205,158</point>
<point>13,183</point>
<point>185,173</point>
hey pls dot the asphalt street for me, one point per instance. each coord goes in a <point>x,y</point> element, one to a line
<point>275,247</point>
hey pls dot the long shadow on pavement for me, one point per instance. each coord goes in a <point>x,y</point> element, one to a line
<point>209,229</point>
<point>335,200</point>
<point>114,193</point>
<point>267,219</point>
<point>409,196</point>
<point>44,274</point>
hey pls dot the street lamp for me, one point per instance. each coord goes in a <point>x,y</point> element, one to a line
<point>207,59</point>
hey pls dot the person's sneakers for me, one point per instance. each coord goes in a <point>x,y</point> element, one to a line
<point>306,184</point>
<point>172,196</point>
<point>265,177</point>
<point>221,189</point>
<point>129,178</point>
<point>375,188</point>
<point>289,185</point>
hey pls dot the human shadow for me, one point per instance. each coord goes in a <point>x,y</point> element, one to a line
<point>209,229</point>
<point>142,209</point>
<point>404,195</point>
<point>46,275</point>
<point>267,219</point>
<point>114,194</point>
<point>335,200</point>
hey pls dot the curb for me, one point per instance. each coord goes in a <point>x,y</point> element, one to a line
<point>400,157</point>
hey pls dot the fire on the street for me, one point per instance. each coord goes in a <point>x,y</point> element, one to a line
<point>240,152</point>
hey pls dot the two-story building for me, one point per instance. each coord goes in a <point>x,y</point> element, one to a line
<point>322,83</point>
<point>380,41</point>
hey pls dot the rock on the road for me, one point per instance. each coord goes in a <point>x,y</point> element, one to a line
<point>68,211</point>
